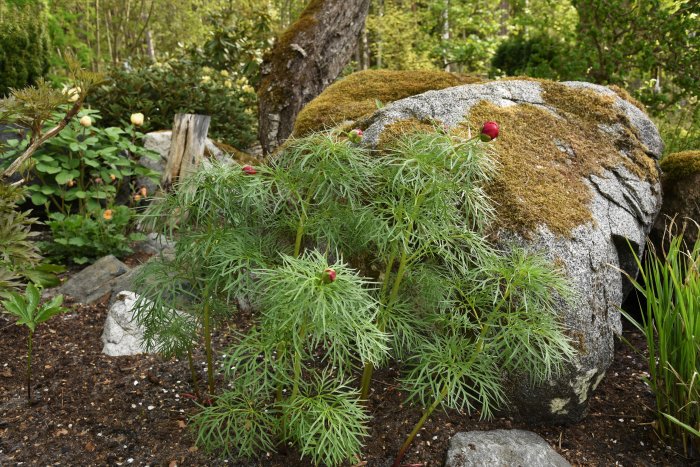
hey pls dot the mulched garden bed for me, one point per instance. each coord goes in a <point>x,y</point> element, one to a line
<point>90,409</point>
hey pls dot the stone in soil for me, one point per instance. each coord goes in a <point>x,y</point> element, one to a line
<point>501,447</point>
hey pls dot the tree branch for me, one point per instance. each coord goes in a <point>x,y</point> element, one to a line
<point>42,139</point>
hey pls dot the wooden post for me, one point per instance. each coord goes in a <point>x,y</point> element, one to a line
<point>186,146</point>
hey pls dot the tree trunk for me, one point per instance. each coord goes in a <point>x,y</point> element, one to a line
<point>307,58</point>
<point>186,146</point>
<point>445,36</point>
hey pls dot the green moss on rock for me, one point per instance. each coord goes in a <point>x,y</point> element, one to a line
<point>546,158</point>
<point>680,165</point>
<point>356,96</point>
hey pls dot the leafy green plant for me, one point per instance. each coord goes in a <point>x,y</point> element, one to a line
<point>78,175</point>
<point>349,258</point>
<point>670,283</point>
<point>540,57</point>
<point>83,237</point>
<point>29,312</point>
<point>83,168</point>
<point>20,259</point>
<point>180,85</point>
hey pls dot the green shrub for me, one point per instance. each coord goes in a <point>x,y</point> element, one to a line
<point>180,85</point>
<point>24,44</point>
<point>80,238</point>
<point>349,259</point>
<point>680,127</point>
<point>20,259</point>
<point>540,57</point>
<point>670,283</point>
<point>77,177</point>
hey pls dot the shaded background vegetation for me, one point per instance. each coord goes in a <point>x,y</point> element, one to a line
<point>155,52</point>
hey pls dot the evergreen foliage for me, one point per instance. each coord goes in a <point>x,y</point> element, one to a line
<point>24,44</point>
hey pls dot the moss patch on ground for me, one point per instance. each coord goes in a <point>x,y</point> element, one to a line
<point>680,165</point>
<point>356,96</point>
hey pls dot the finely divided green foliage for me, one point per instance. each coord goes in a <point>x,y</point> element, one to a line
<point>308,312</point>
<point>327,420</point>
<point>670,283</point>
<point>237,423</point>
<point>438,295</point>
<point>458,368</point>
<point>322,184</point>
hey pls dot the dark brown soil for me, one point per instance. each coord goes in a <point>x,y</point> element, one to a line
<point>90,409</point>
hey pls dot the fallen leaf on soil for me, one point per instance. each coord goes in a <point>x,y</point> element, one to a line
<point>90,446</point>
<point>193,449</point>
<point>181,423</point>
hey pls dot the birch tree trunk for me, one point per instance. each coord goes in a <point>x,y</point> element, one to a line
<point>307,58</point>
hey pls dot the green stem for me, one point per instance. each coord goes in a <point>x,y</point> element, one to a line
<point>300,235</point>
<point>207,340</point>
<point>280,350</point>
<point>29,367</point>
<point>297,362</point>
<point>419,425</point>
<point>302,219</point>
<point>193,372</point>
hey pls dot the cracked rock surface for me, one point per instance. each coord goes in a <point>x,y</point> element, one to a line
<point>623,207</point>
<point>122,335</point>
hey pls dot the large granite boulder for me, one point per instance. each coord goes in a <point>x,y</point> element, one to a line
<point>578,180</point>
<point>681,187</point>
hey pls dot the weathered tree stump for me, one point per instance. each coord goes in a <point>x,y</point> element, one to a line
<point>186,147</point>
<point>307,58</point>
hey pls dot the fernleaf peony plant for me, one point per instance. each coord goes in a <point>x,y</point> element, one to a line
<point>349,259</point>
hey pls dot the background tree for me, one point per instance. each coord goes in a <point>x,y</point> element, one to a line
<point>24,43</point>
<point>305,60</point>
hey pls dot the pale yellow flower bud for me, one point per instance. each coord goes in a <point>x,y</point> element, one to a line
<point>137,119</point>
<point>86,121</point>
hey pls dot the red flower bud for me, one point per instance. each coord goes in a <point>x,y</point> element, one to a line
<point>489,131</point>
<point>249,170</point>
<point>328,275</point>
<point>355,135</point>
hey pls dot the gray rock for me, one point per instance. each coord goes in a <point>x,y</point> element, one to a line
<point>516,448</point>
<point>122,335</point>
<point>156,243</point>
<point>95,281</point>
<point>623,207</point>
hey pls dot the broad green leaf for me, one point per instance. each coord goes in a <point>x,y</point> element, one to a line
<point>38,199</point>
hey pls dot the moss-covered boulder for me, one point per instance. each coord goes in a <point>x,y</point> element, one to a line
<point>681,186</point>
<point>578,180</point>
<point>358,95</point>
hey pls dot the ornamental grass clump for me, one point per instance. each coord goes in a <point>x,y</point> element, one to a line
<point>670,283</point>
<point>349,259</point>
